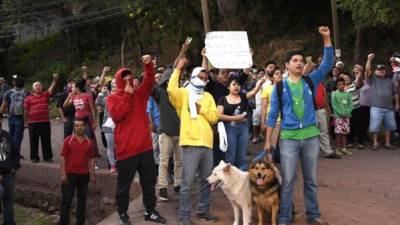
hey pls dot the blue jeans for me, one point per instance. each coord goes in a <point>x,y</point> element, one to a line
<point>16,127</point>
<point>291,150</point>
<point>7,198</point>
<point>195,160</point>
<point>238,137</point>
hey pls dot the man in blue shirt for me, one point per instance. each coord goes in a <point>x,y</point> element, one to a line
<point>299,134</point>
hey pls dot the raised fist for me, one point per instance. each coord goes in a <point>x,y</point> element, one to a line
<point>106,69</point>
<point>324,31</point>
<point>371,56</point>
<point>56,76</point>
<point>146,59</point>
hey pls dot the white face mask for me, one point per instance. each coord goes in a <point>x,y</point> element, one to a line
<point>198,83</point>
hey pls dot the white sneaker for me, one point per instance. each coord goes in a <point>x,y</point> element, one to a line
<point>346,152</point>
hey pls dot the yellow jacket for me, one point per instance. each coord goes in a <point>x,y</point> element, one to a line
<point>193,132</point>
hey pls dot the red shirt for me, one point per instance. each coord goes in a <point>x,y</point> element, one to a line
<point>77,154</point>
<point>37,107</point>
<point>82,105</point>
<point>320,97</point>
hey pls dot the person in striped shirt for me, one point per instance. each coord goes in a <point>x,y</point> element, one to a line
<point>37,120</point>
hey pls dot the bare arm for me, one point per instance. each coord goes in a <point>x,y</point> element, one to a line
<point>253,92</point>
<point>53,84</point>
<point>358,81</point>
<point>63,174</point>
<point>102,80</point>
<point>368,65</point>
<point>264,109</point>
<point>92,164</point>
<point>185,47</point>
<point>227,118</point>
<point>204,63</point>
<point>4,106</point>
<point>93,112</point>
<point>68,101</point>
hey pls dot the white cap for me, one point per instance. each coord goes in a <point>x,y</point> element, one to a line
<point>196,71</point>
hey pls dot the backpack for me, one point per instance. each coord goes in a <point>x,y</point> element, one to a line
<point>279,91</point>
<point>6,161</point>
<point>16,106</point>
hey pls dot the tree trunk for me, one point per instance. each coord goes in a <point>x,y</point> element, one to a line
<point>123,49</point>
<point>357,46</point>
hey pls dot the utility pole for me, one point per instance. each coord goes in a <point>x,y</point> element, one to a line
<point>206,17</point>
<point>336,38</point>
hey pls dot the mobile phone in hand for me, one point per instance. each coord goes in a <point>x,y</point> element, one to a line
<point>188,40</point>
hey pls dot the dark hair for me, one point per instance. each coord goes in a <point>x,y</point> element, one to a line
<point>345,73</point>
<point>290,54</point>
<point>270,62</point>
<point>125,73</point>
<point>81,85</point>
<point>19,82</point>
<point>231,79</point>
<point>339,80</point>
<point>79,120</point>
<point>260,70</point>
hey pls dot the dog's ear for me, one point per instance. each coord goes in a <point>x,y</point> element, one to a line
<point>277,174</point>
<point>227,168</point>
<point>252,165</point>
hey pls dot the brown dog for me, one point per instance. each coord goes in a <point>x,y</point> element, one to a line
<point>265,181</point>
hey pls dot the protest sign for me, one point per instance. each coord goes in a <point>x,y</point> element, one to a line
<point>228,49</point>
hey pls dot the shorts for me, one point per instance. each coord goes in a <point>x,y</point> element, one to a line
<point>256,117</point>
<point>342,125</point>
<point>379,114</point>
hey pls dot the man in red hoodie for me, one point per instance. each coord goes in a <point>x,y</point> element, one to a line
<point>134,150</point>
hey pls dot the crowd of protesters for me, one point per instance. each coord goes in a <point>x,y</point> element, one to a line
<point>174,124</point>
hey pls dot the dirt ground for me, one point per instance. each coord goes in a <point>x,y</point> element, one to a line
<point>360,189</point>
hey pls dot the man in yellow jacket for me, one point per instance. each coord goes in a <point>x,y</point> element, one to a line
<point>197,112</point>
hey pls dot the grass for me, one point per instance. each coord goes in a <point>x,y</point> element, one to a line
<point>23,218</point>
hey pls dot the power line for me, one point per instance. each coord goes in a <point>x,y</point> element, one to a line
<point>73,17</point>
<point>67,26</point>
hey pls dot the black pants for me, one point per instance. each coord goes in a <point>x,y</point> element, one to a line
<point>145,165</point>
<point>103,137</point>
<point>356,125</point>
<point>42,131</point>
<point>68,127</point>
<point>364,119</point>
<point>79,182</point>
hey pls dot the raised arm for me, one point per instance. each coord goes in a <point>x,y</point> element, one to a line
<point>53,84</point>
<point>255,90</point>
<point>173,84</point>
<point>68,101</point>
<point>185,47</point>
<point>146,86</point>
<point>368,65</point>
<point>102,80</point>
<point>326,65</point>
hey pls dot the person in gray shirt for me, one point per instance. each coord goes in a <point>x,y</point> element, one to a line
<point>383,89</point>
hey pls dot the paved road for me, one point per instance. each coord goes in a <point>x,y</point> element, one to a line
<point>57,135</point>
<point>360,189</point>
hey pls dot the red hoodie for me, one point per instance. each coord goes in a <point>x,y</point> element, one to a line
<point>128,111</point>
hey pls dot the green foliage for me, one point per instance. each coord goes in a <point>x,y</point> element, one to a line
<point>366,13</point>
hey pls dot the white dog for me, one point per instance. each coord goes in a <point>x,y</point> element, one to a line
<point>236,186</point>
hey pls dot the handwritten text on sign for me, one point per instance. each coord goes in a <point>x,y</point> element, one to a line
<point>228,49</point>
